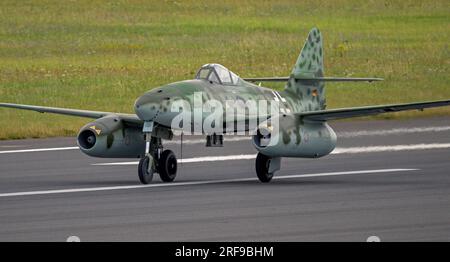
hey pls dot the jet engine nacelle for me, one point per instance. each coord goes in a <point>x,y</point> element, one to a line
<point>109,137</point>
<point>294,138</point>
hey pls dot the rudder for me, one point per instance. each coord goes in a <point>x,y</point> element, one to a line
<point>309,65</point>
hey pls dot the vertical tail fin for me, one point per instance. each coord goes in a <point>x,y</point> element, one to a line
<point>309,65</point>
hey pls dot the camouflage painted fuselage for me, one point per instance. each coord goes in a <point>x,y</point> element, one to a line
<point>295,138</point>
<point>157,104</point>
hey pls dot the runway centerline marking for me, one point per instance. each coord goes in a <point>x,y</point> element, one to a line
<point>343,150</point>
<point>343,134</point>
<point>39,150</point>
<point>174,184</point>
<point>189,160</point>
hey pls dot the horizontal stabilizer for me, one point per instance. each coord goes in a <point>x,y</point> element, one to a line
<point>323,79</point>
<point>331,114</point>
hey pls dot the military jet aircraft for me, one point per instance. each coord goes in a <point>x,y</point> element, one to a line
<point>302,119</point>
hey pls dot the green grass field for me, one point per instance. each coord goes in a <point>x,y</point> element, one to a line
<point>102,55</point>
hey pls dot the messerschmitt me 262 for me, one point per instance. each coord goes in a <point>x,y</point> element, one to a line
<point>301,121</point>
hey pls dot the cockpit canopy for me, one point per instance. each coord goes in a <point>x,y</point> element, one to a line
<point>218,74</point>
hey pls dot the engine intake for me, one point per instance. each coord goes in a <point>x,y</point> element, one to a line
<point>86,139</point>
<point>289,136</point>
<point>109,137</point>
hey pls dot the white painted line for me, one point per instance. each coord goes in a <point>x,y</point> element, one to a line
<point>12,146</point>
<point>39,150</point>
<point>203,141</point>
<point>343,150</point>
<point>393,148</point>
<point>396,131</point>
<point>189,160</point>
<point>343,134</point>
<point>128,163</point>
<point>94,189</point>
<point>185,142</point>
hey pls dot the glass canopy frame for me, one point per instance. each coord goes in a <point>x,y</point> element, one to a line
<point>218,74</point>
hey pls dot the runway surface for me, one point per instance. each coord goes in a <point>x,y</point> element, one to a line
<point>389,179</point>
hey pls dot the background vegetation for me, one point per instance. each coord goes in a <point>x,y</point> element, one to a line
<point>102,55</point>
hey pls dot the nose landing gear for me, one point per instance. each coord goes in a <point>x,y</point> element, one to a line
<point>167,166</point>
<point>156,160</point>
<point>146,169</point>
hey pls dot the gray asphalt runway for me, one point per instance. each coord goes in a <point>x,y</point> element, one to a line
<point>390,179</point>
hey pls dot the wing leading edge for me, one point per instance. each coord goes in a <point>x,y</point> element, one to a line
<point>321,115</point>
<point>131,118</point>
<point>323,79</point>
<point>324,115</point>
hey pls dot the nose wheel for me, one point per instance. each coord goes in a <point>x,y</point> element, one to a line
<point>146,169</point>
<point>167,166</point>
<point>165,163</point>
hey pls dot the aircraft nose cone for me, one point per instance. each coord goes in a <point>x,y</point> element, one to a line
<point>145,109</point>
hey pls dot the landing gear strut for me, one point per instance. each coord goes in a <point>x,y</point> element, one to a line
<point>156,160</point>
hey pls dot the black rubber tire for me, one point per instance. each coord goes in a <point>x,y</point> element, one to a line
<point>144,175</point>
<point>262,168</point>
<point>167,166</point>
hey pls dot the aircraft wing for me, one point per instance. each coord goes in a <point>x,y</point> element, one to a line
<point>332,114</point>
<point>131,118</point>
<point>324,79</point>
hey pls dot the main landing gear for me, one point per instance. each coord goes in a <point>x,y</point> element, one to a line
<point>156,160</point>
<point>164,162</point>
<point>266,166</point>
